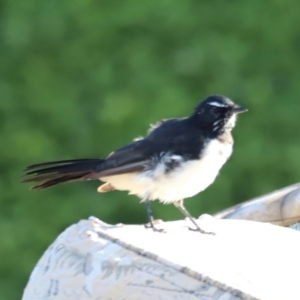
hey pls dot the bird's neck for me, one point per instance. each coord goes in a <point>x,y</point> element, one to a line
<point>215,129</point>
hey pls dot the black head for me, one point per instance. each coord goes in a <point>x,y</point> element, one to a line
<point>217,114</point>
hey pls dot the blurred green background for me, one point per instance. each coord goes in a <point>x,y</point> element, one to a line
<point>80,78</point>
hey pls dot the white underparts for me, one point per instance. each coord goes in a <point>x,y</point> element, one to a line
<point>187,179</point>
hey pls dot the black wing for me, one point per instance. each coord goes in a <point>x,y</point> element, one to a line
<point>128,159</point>
<point>174,136</point>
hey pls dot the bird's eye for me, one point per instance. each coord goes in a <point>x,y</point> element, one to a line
<point>215,111</point>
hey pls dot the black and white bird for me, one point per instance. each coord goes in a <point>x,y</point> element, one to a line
<point>178,159</point>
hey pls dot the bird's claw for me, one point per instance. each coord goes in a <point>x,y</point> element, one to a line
<point>151,226</point>
<point>202,231</point>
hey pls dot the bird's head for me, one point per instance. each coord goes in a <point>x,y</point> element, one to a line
<point>217,113</point>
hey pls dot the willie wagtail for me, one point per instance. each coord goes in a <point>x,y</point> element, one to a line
<point>178,159</point>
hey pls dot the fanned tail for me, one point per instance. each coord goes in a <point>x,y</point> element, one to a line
<point>52,173</point>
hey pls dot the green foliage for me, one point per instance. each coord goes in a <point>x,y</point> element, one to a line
<point>80,78</point>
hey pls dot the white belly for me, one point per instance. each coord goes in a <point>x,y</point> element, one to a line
<point>185,181</point>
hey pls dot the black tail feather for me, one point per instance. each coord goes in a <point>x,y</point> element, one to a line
<point>61,162</point>
<point>57,172</point>
<point>58,180</point>
<point>69,167</point>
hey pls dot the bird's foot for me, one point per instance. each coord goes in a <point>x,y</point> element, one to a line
<point>155,229</point>
<point>201,230</point>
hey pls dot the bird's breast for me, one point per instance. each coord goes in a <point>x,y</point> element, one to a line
<point>186,179</point>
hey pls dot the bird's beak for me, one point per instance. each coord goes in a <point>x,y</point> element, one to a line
<point>239,109</point>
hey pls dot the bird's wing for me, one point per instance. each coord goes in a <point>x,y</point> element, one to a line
<point>130,158</point>
<point>171,136</point>
<point>176,136</point>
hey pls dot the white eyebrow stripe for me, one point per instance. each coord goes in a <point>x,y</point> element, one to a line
<point>176,157</point>
<point>216,104</point>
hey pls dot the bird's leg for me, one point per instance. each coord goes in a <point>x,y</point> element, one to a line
<point>180,206</point>
<point>150,217</point>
